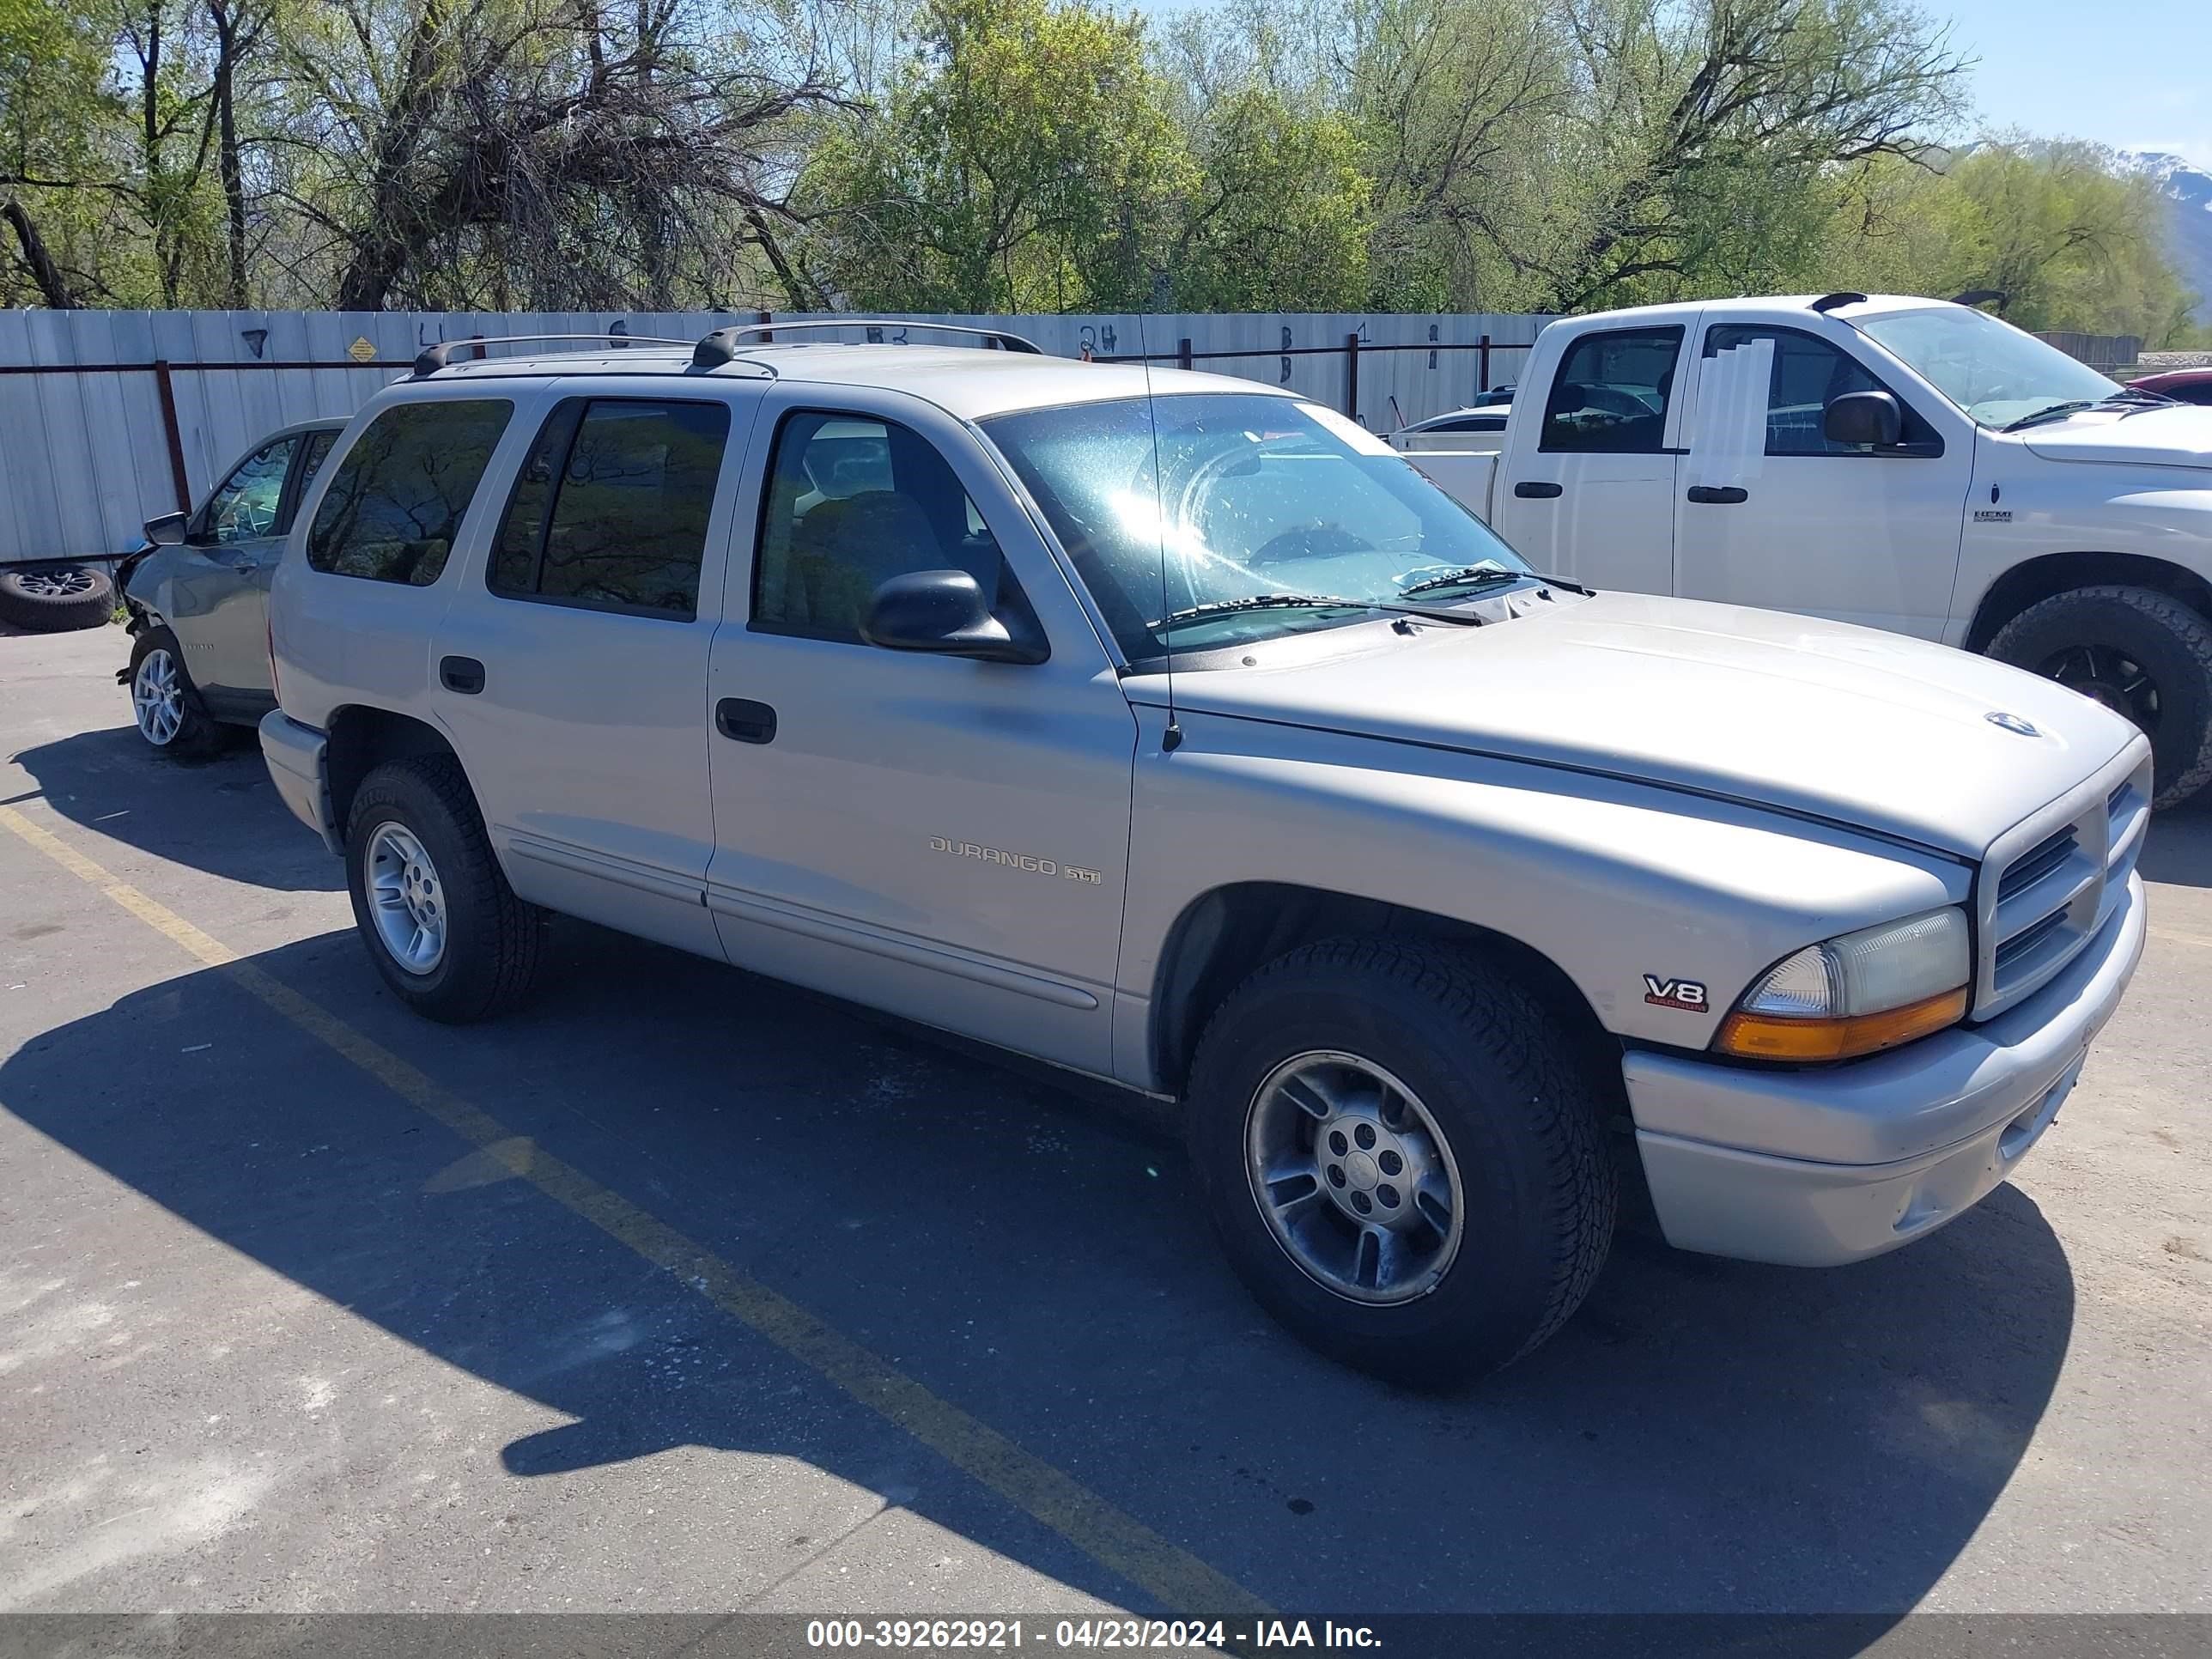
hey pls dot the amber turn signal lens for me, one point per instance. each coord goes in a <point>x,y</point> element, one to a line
<point>1770,1036</point>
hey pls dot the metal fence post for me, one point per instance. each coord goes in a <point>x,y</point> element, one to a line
<point>1182,352</point>
<point>1482,364</point>
<point>1352,374</point>
<point>168,390</point>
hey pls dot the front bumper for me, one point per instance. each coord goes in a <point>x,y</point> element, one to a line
<point>1825,1165</point>
<point>296,757</point>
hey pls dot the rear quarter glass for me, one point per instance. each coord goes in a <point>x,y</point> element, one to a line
<point>396,503</point>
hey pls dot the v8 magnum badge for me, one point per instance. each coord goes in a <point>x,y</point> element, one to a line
<point>1687,995</point>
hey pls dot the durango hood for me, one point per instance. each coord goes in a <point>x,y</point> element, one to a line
<point>2177,436</point>
<point>1868,729</point>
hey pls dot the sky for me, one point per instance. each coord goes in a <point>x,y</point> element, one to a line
<point>2134,74</point>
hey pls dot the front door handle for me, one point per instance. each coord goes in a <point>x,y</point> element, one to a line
<point>463,674</point>
<point>745,720</point>
<point>1716,495</point>
<point>1533,490</point>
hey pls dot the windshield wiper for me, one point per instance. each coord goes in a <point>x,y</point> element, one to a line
<point>1481,575</point>
<point>2141,398</point>
<point>2051,412</point>
<point>1307,601</point>
<point>1255,602</point>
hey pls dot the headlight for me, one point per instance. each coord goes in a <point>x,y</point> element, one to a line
<point>1868,990</point>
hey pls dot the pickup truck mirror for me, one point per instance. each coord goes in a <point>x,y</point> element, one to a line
<point>945,611</point>
<point>1863,417</point>
<point>167,530</point>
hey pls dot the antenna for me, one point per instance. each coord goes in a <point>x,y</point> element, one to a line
<point>1170,740</point>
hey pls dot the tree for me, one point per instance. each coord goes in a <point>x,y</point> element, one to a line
<point>545,155</point>
<point>52,108</point>
<point>1023,160</point>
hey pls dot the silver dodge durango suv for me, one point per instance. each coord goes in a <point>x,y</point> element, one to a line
<point>1175,731</point>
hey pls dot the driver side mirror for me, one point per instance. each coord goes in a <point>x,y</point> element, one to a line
<point>944,611</point>
<point>167,530</point>
<point>1863,417</point>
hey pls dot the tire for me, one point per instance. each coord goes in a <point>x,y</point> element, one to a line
<point>165,704</point>
<point>1516,1120</point>
<point>487,939</point>
<point>54,598</point>
<point>2114,630</point>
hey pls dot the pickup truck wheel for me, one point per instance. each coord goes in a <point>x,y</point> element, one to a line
<point>445,930</point>
<point>1401,1158</point>
<point>2141,654</point>
<point>165,705</point>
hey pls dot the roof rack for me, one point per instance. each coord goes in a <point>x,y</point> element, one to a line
<point>1841,297</point>
<point>432,358</point>
<point>722,346</point>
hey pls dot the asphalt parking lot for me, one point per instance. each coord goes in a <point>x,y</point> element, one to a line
<point>685,1291</point>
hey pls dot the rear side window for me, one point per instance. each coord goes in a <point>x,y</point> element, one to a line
<point>397,498</point>
<point>611,510</point>
<point>1611,395</point>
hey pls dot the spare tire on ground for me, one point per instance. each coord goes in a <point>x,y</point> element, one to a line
<point>52,598</point>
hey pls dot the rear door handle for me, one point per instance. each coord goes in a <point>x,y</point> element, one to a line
<point>745,720</point>
<point>463,674</point>
<point>1530,490</point>
<point>1716,495</point>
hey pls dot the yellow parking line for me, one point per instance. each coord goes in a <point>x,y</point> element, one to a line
<point>1110,1537</point>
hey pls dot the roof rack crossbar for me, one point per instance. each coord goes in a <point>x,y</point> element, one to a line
<point>1841,297</point>
<point>721,346</point>
<point>432,358</point>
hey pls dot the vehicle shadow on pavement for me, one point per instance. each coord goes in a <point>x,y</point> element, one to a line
<point>2180,846</point>
<point>1703,1436</point>
<point>220,815</point>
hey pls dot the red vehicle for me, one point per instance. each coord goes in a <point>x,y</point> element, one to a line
<point>2190,386</point>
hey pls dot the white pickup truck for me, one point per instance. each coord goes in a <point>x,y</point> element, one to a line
<point>1899,463</point>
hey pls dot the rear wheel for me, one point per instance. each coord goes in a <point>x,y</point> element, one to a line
<point>445,930</point>
<point>165,705</point>
<point>2140,653</point>
<point>1403,1161</point>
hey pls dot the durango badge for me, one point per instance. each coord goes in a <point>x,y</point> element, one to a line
<point>1687,995</point>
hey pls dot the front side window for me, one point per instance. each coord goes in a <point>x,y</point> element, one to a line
<point>396,503</point>
<point>1240,498</point>
<point>1989,369</point>
<point>1808,374</point>
<point>1611,394</point>
<point>611,510</point>
<point>245,509</point>
<point>853,501</point>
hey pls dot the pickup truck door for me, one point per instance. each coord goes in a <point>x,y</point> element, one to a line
<point>1773,514</point>
<point>943,838</point>
<point>1588,485</point>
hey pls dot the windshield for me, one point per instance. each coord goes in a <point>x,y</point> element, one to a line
<point>1990,369</point>
<point>1263,502</point>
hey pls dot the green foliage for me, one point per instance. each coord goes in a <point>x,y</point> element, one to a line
<point>1023,161</point>
<point>993,155</point>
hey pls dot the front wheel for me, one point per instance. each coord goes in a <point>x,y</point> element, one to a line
<point>2140,653</point>
<point>1403,1161</point>
<point>445,930</point>
<point>165,705</point>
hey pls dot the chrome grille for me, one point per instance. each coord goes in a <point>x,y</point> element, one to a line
<point>2049,883</point>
